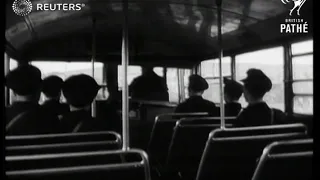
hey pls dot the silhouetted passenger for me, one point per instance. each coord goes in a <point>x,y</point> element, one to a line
<point>80,91</point>
<point>195,102</point>
<point>52,86</point>
<point>25,115</point>
<point>258,113</point>
<point>232,93</point>
<point>149,86</point>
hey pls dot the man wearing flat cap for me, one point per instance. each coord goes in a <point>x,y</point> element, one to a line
<point>195,102</point>
<point>80,91</point>
<point>232,93</point>
<point>258,113</point>
<point>25,116</point>
<point>149,86</point>
<point>51,88</point>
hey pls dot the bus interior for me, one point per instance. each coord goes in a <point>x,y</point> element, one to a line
<point>112,40</point>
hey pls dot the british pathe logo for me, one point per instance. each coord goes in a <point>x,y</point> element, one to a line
<point>296,24</point>
<point>297,4</point>
<point>22,7</point>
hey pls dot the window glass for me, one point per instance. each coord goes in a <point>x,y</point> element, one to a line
<point>303,104</point>
<point>210,68</point>
<point>13,64</point>
<point>158,71</point>
<point>133,72</point>
<point>67,69</point>
<point>187,73</point>
<point>172,83</point>
<point>103,93</point>
<point>270,61</point>
<point>303,87</point>
<point>207,69</point>
<point>302,47</point>
<point>213,92</point>
<point>302,67</point>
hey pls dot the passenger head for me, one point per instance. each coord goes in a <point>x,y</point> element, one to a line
<point>232,90</point>
<point>147,69</point>
<point>197,85</point>
<point>80,91</point>
<point>52,86</point>
<point>25,82</point>
<point>256,84</point>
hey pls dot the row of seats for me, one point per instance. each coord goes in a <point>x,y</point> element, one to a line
<point>75,156</point>
<point>180,148</point>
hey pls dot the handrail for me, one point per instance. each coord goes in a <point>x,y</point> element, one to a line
<point>271,127</point>
<point>144,162</point>
<point>59,145</point>
<point>267,153</point>
<point>43,136</point>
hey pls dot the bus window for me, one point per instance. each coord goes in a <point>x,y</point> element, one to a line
<point>158,71</point>
<point>13,64</point>
<point>210,68</point>
<point>186,74</point>
<point>302,47</point>
<point>302,75</point>
<point>172,83</point>
<point>66,69</point>
<point>103,93</point>
<point>213,92</point>
<point>133,72</point>
<point>210,71</point>
<point>270,61</point>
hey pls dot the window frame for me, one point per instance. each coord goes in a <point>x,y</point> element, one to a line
<point>231,75</point>
<point>292,80</point>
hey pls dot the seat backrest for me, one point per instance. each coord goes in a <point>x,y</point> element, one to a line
<point>286,160</point>
<point>62,148</point>
<point>93,165</point>
<point>234,152</point>
<point>187,144</point>
<point>161,135</point>
<point>263,130</point>
<point>62,138</point>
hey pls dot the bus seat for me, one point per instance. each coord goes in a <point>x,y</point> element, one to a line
<point>286,160</point>
<point>161,135</point>
<point>234,152</point>
<point>101,165</point>
<point>148,112</point>
<point>263,130</point>
<point>62,148</point>
<point>62,138</point>
<point>187,145</point>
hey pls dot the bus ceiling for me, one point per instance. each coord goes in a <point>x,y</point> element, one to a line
<point>172,32</point>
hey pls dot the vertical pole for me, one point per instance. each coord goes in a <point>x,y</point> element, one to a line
<point>93,59</point>
<point>125,62</point>
<point>182,86</point>
<point>288,91</point>
<point>6,71</point>
<point>179,86</point>
<point>219,3</point>
<point>233,67</point>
